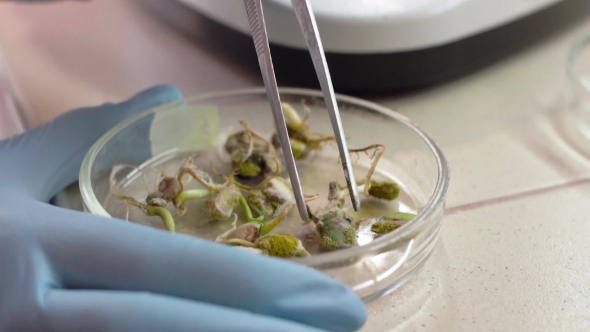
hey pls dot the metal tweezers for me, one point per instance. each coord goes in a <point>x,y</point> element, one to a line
<point>308,26</point>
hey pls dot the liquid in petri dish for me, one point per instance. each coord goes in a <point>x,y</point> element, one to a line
<point>316,173</point>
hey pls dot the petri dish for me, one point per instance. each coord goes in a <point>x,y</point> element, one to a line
<point>159,140</point>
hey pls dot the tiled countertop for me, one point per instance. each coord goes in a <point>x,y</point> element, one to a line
<point>514,254</point>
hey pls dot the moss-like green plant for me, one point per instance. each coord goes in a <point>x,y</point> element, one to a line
<point>337,230</point>
<point>384,226</point>
<point>386,190</point>
<point>282,245</point>
<point>391,222</point>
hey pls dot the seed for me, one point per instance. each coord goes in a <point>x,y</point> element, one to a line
<point>337,231</point>
<point>170,188</point>
<point>153,196</point>
<point>157,202</point>
<point>222,205</point>
<point>282,245</point>
<point>259,203</point>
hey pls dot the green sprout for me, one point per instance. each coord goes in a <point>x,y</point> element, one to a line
<point>256,235</point>
<point>299,148</point>
<point>223,198</point>
<point>400,216</point>
<point>250,231</point>
<point>303,140</point>
<point>189,195</point>
<point>250,166</point>
<point>155,204</point>
<point>163,213</point>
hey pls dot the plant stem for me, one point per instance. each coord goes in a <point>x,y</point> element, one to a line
<point>248,211</point>
<point>164,214</point>
<point>195,176</point>
<point>188,195</point>
<point>271,224</point>
<point>292,117</point>
<point>379,151</point>
<point>298,148</point>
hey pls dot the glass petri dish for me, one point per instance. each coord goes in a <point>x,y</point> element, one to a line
<point>162,137</point>
<point>578,68</point>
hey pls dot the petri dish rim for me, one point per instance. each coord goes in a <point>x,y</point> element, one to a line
<point>377,246</point>
<point>572,67</point>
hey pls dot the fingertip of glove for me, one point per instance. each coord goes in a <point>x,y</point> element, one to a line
<point>346,310</point>
<point>321,301</point>
<point>159,94</point>
<point>356,313</point>
<point>142,101</point>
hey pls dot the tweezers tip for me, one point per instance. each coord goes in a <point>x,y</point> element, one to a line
<point>356,204</point>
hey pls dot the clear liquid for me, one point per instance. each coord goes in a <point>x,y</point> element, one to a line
<point>316,173</point>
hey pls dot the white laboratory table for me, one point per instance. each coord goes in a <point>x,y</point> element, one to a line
<point>514,254</point>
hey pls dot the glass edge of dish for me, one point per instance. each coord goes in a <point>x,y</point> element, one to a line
<point>572,69</point>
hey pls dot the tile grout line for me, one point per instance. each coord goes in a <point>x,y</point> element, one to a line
<point>515,196</point>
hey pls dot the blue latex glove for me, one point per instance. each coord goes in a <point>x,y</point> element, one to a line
<point>63,270</point>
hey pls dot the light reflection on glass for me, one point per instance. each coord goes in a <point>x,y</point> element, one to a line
<point>380,261</point>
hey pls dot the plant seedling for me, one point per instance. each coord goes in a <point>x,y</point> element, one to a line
<point>268,199</point>
<point>256,235</point>
<point>303,139</point>
<point>391,222</point>
<point>337,230</point>
<point>223,198</point>
<point>155,203</point>
<point>254,160</point>
<point>386,190</point>
<point>252,154</point>
<point>277,245</point>
<point>335,227</point>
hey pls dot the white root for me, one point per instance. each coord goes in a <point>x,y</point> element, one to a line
<point>234,225</point>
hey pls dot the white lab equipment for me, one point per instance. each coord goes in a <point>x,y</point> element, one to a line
<point>379,45</point>
<point>394,25</point>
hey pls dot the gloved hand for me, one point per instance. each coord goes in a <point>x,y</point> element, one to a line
<point>63,270</point>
